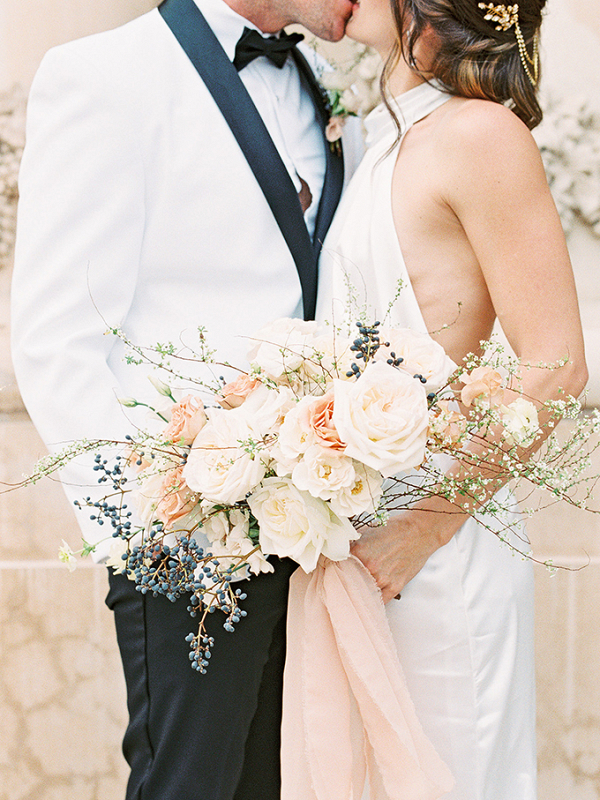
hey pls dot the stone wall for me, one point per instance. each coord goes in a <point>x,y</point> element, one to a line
<point>62,708</point>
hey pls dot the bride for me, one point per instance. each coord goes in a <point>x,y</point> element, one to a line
<point>451,198</point>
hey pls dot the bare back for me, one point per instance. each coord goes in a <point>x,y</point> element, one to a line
<point>474,216</point>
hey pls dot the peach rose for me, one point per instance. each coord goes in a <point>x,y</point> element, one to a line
<point>483,388</point>
<point>446,426</point>
<point>235,392</point>
<point>176,499</point>
<point>334,129</point>
<point>316,415</point>
<point>137,461</point>
<point>309,422</point>
<point>187,420</point>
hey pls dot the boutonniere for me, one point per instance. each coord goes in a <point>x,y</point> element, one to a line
<point>339,113</point>
<point>351,89</point>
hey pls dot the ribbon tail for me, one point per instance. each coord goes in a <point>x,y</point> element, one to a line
<point>322,757</point>
<point>403,764</point>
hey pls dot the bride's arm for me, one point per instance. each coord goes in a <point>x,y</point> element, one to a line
<point>494,182</point>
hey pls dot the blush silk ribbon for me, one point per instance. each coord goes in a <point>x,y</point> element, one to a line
<point>347,713</point>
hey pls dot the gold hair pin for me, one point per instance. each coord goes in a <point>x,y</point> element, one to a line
<point>505,17</point>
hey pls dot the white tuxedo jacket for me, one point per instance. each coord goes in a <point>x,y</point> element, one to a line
<point>139,210</point>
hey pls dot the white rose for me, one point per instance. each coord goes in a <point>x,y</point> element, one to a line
<point>218,467</point>
<point>362,496</point>
<point>382,418</point>
<point>369,67</point>
<point>216,527</point>
<point>330,358</point>
<point>520,420</point>
<point>281,346</point>
<point>323,472</point>
<point>420,353</point>
<point>336,80</point>
<point>227,532</point>
<point>295,437</point>
<point>296,525</point>
<point>265,409</point>
<point>351,100</point>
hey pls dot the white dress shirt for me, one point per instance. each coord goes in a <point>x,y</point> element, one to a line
<point>282,101</point>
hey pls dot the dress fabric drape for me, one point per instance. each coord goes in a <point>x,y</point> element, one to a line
<point>463,629</point>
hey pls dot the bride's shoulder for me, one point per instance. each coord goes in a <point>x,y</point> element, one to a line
<point>485,140</point>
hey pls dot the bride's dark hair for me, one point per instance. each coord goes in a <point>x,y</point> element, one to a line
<point>474,59</point>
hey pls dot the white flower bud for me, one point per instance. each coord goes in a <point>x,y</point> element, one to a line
<point>160,386</point>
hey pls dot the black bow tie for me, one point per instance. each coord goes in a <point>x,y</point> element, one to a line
<point>252,44</point>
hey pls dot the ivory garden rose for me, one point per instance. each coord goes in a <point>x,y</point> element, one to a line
<point>323,472</point>
<point>282,346</point>
<point>382,418</point>
<point>297,525</point>
<point>420,355</point>
<point>219,467</point>
<point>363,495</point>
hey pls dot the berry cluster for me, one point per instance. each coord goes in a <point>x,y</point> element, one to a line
<point>364,346</point>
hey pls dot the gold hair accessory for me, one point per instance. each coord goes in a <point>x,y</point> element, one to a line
<point>505,17</point>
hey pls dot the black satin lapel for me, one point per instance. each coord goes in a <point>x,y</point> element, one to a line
<point>202,47</point>
<point>334,173</point>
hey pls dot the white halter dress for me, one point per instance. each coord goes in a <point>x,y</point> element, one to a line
<point>464,626</point>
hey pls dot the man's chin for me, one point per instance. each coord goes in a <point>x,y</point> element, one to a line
<point>337,31</point>
<point>335,36</point>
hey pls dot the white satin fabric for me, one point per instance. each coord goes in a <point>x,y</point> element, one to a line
<point>464,626</point>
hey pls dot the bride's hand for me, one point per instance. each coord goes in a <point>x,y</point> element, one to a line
<point>394,553</point>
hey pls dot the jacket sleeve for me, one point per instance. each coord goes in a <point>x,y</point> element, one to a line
<point>79,237</point>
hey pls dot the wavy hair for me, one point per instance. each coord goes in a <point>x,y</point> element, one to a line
<point>474,59</point>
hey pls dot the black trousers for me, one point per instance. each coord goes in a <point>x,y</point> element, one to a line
<point>203,737</point>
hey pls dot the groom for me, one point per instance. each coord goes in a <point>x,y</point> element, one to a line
<point>175,175</point>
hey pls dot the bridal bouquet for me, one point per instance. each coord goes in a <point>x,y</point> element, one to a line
<point>323,434</point>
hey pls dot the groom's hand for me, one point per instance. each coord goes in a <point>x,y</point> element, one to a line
<point>395,552</point>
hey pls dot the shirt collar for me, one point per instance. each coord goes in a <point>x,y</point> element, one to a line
<point>227,24</point>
